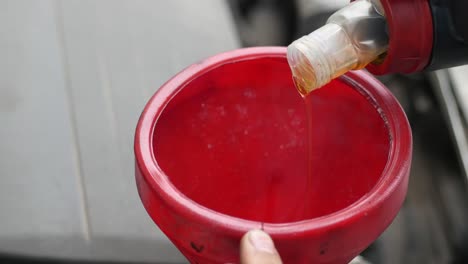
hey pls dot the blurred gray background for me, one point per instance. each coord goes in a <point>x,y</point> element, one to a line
<point>75,75</point>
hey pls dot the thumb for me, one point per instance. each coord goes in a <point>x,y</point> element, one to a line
<point>257,247</point>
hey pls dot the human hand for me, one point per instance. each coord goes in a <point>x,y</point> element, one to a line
<point>257,247</point>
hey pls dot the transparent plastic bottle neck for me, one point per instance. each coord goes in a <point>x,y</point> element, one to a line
<point>352,38</point>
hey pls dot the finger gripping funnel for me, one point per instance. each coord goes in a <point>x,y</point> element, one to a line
<point>222,148</point>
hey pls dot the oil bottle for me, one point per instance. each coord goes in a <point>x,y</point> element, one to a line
<point>385,36</point>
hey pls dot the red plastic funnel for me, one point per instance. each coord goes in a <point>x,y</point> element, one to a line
<point>222,148</point>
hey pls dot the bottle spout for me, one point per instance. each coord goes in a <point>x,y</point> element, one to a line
<point>352,38</point>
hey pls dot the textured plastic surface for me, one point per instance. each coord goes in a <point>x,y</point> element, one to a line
<point>411,37</point>
<point>221,149</point>
<point>450,34</point>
